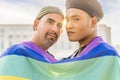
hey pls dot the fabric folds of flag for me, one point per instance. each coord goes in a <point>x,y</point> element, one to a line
<point>96,62</point>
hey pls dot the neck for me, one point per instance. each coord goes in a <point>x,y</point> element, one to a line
<point>38,43</point>
<point>86,41</point>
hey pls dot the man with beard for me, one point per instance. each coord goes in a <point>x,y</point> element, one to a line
<point>18,61</point>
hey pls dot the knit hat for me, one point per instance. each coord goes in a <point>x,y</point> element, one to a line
<point>47,10</point>
<point>92,7</point>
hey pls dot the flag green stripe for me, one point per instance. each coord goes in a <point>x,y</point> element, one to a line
<point>93,69</point>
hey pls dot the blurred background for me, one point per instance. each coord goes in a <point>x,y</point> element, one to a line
<point>17,17</point>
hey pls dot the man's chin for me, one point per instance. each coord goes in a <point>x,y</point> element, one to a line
<point>51,41</point>
<point>72,40</point>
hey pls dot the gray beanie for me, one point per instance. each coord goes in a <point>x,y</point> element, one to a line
<point>92,7</point>
<point>49,9</point>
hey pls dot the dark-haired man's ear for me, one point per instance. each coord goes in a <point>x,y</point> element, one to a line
<point>94,21</point>
<point>35,24</point>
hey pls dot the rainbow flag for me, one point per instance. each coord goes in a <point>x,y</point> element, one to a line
<point>98,61</point>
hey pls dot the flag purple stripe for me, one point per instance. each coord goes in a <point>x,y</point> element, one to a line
<point>95,42</point>
<point>31,45</point>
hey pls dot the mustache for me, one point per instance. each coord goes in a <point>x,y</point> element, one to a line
<point>54,33</point>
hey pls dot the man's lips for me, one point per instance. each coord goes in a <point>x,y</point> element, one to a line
<point>70,32</point>
<point>52,36</point>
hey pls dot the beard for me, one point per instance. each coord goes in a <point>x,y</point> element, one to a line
<point>51,37</point>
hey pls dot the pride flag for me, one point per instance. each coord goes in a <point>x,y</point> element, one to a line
<point>96,62</point>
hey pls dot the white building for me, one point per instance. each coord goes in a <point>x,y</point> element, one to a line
<point>14,33</point>
<point>117,46</point>
<point>11,34</point>
<point>104,31</point>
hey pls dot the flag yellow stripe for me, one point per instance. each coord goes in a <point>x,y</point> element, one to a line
<point>12,78</point>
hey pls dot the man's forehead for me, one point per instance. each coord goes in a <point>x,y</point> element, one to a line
<point>53,15</point>
<point>73,15</point>
<point>54,19</point>
<point>73,12</point>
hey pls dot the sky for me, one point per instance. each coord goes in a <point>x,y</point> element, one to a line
<point>25,11</point>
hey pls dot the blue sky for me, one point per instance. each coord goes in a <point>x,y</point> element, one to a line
<point>24,12</point>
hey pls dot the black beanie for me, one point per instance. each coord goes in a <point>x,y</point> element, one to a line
<point>92,7</point>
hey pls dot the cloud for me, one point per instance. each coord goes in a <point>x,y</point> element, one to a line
<point>23,11</point>
<point>12,13</point>
<point>110,5</point>
<point>112,20</point>
<point>58,3</point>
<point>111,17</point>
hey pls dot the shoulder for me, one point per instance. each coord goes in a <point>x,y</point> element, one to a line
<point>14,49</point>
<point>106,49</point>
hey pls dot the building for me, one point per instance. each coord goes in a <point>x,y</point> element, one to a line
<point>105,32</point>
<point>15,33</point>
<point>11,34</point>
<point>117,46</point>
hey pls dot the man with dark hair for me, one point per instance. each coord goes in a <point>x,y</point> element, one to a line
<point>82,17</point>
<point>95,59</point>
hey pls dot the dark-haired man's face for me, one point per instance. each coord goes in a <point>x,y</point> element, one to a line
<point>78,24</point>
